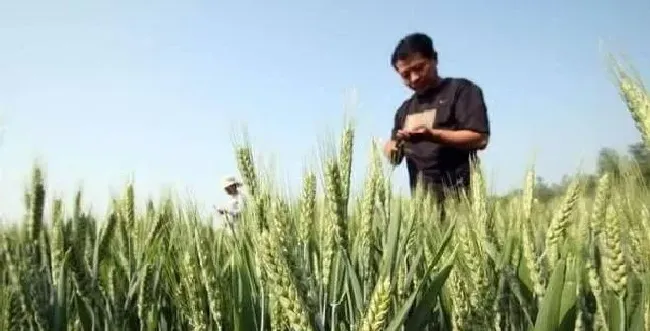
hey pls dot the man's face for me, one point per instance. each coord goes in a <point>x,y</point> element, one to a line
<point>417,72</point>
<point>232,189</point>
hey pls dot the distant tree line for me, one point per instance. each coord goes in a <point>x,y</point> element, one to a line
<point>634,164</point>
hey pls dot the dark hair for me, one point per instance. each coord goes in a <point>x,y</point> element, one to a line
<point>412,44</point>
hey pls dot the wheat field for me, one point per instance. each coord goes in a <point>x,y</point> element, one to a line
<point>330,260</point>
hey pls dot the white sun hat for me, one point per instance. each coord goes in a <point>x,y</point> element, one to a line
<point>230,181</point>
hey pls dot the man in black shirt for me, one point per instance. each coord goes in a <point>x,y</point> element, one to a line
<point>439,129</point>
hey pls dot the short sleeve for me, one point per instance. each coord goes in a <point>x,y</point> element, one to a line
<point>471,111</point>
<point>398,120</point>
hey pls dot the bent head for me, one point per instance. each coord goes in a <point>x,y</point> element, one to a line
<point>416,62</point>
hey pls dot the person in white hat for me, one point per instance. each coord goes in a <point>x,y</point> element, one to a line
<point>237,199</point>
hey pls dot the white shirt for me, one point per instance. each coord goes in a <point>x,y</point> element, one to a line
<point>236,204</point>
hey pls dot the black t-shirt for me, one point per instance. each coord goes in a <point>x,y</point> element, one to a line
<point>455,104</point>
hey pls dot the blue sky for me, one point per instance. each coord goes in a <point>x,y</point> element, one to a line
<point>101,90</point>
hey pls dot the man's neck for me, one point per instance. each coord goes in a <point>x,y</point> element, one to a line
<point>432,86</point>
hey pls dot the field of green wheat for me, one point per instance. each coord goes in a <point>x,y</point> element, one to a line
<point>331,260</point>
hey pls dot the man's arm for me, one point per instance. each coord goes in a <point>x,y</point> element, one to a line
<point>465,139</point>
<point>473,131</point>
<point>390,147</point>
<point>398,120</point>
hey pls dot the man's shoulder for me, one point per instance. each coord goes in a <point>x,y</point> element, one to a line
<point>403,107</point>
<point>459,83</point>
<point>405,102</point>
<point>451,86</point>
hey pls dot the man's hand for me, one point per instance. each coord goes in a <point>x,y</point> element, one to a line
<point>418,132</point>
<point>220,211</point>
<point>464,139</point>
